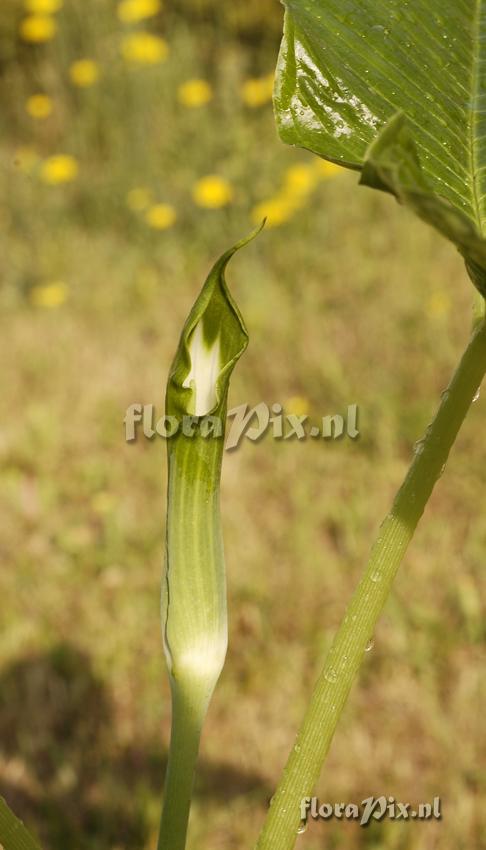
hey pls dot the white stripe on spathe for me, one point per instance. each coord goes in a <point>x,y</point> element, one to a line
<point>205,368</point>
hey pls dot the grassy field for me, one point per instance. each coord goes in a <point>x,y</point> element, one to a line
<point>107,233</point>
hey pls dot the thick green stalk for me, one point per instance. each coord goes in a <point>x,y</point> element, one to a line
<point>187,720</point>
<point>304,765</point>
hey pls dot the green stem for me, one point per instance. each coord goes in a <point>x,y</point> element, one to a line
<point>188,713</point>
<point>346,654</point>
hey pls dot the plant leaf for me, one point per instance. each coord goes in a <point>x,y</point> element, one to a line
<point>13,833</point>
<point>347,67</point>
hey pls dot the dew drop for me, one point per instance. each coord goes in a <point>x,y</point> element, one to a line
<point>418,447</point>
<point>380,28</point>
<point>330,675</point>
<point>369,646</point>
<point>476,397</point>
<point>302,828</point>
<point>375,576</point>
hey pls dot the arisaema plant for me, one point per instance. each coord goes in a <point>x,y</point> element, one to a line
<point>194,587</point>
<point>396,90</point>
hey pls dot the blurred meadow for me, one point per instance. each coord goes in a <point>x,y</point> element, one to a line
<point>137,143</point>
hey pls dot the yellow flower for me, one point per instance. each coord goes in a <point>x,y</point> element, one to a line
<point>327,169</point>
<point>276,210</point>
<point>26,159</point>
<point>37,29</point>
<point>59,169</point>
<point>49,295</point>
<point>39,106</point>
<point>300,179</point>
<point>160,216</point>
<point>438,304</point>
<point>143,48</point>
<point>195,93</point>
<point>103,502</point>
<point>212,192</point>
<point>130,11</point>
<point>43,7</point>
<point>298,405</point>
<point>84,73</point>
<point>258,91</point>
<point>138,199</point>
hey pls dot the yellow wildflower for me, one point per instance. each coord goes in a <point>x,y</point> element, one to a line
<point>326,169</point>
<point>84,72</point>
<point>138,199</point>
<point>59,169</point>
<point>300,179</point>
<point>194,93</point>
<point>130,11</point>
<point>298,405</point>
<point>212,192</point>
<point>438,304</point>
<point>143,48</point>
<point>276,210</point>
<point>258,91</point>
<point>103,502</point>
<point>49,294</point>
<point>26,159</point>
<point>39,106</point>
<point>43,7</point>
<point>160,216</point>
<point>37,28</point>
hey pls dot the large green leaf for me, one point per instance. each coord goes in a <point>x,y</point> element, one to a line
<point>397,89</point>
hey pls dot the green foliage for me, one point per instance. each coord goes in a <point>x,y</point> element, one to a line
<point>345,71</point>
<point>13,834</point>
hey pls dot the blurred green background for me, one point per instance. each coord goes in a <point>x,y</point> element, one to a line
<point>137,142</point>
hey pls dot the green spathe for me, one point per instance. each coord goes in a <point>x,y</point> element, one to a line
<point>194,615</point>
